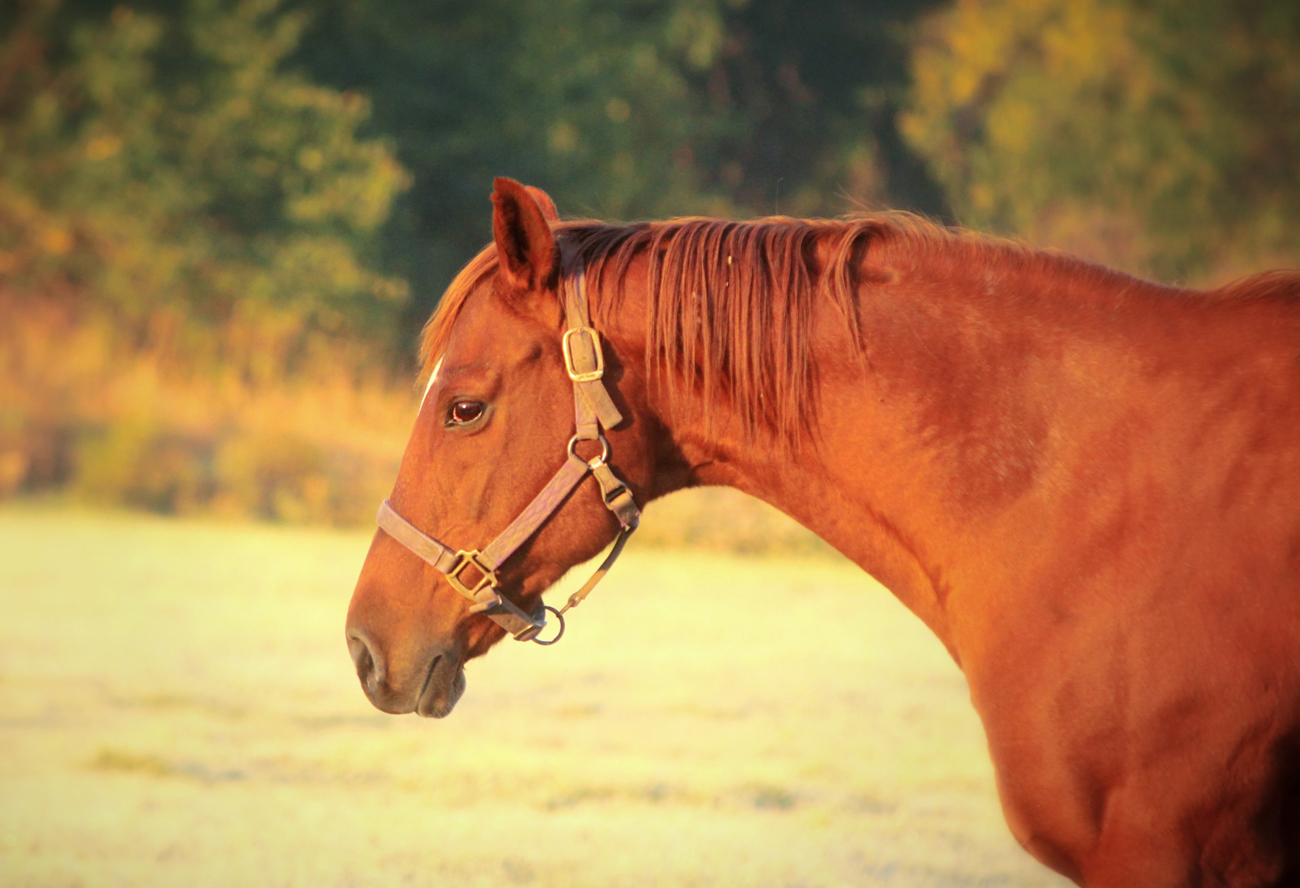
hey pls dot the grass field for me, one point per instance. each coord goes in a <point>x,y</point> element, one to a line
<point>177,708</point>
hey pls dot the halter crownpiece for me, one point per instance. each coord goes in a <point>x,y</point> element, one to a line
<point>473,573</point>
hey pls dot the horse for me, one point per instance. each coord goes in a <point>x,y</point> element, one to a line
<point>1087,485</point>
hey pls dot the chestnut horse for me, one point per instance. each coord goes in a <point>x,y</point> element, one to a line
<point>1087,486</point>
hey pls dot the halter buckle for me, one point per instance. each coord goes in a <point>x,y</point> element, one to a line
<point>583,375</point>
<point>463,560</point>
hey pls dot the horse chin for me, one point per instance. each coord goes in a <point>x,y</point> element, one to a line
<point>442,688</point>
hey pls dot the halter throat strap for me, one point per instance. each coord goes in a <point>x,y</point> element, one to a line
<point>472,573</point>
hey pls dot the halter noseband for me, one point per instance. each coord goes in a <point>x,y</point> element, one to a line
<point>472,573</point>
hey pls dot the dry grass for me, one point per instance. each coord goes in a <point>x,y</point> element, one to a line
<point>177,708</point>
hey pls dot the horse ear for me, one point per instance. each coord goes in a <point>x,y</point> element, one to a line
<point>525,246</point>
<point>544,203</point>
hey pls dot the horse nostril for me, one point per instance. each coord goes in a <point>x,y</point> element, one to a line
<point>364,658</point>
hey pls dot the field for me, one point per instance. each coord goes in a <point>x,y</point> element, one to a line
<point>177,708</point>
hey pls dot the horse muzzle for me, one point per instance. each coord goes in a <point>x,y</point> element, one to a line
<point>430,689</point>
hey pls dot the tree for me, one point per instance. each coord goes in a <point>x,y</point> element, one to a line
<point>622,109</point>
<point>165,168</point>
<point>1162,135</point>
<point>817,88</point>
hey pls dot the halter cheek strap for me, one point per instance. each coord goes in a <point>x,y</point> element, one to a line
<point>472,573</point>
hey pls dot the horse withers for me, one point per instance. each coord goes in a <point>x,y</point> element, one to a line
<point>1087,486</point>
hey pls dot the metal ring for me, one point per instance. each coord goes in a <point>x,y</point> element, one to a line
<point>559,616</point>
<point>604,450</point>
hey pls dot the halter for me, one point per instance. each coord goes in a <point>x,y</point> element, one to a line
<point>473,573</point>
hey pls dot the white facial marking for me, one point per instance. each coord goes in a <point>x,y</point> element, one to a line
<point>433,377</point>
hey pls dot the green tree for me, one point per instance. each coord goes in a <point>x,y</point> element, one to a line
<point>817,88</point>
<point>594,101</point>
<point>167,168</point>
<point>622,109</point>
<point>1162,135</point>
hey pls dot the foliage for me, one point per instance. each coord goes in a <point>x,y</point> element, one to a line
<point>165,169</point>
<point>187,237</point>
<point>199,198</point>
<point>818,90</point>
<point>1158,134</point>
<point>212,207</point>
<point>586,99</point>
<point>622,109</point>
<point>81,413</point>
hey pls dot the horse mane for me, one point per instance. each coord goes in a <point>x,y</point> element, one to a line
<point>1283,284</point>
<point>734,301</point>
<point>730,305</point>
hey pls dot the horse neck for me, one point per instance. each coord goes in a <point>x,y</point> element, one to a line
<point>919,445</point>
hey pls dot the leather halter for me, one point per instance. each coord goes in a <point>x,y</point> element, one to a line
<point>472,573</point>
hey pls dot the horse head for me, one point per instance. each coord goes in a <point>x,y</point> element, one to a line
<point>506,481</point>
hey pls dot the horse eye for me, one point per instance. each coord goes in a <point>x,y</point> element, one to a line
<point>465,412</point>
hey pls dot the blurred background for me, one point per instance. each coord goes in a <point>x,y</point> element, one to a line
<point>222,224</point>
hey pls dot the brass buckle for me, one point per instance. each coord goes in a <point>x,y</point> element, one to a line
<point>583,375</point>
<point>463,560</point>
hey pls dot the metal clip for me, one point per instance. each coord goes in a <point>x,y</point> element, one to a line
<point>537,637</point>
<point>595,462</point>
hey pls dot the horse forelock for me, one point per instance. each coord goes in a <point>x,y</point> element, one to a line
<point>437,330</point>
